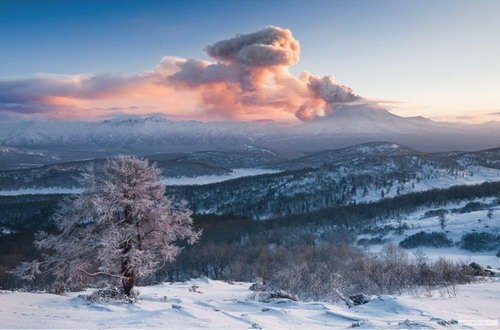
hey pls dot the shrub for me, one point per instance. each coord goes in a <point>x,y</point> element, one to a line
<point>435,213</point>
<point>422,238</point>
<point>331,273</point>
<point>480,241</point>
<point>109,294</point>
<point>472,206</point>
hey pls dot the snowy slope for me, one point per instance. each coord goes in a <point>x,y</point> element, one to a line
<point>358,124</point>
<point>208,179</point>
<point>170,181</point>
<point>363,173</point>
<point>457,224</point>
<point>229,306</point>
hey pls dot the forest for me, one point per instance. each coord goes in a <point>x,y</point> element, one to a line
<point>238,248</point>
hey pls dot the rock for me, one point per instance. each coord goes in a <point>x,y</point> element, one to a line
<point>267,296</point>
<point>357,324</point>
<point>195,288</point>
<point>111,293</point>
<point>444,323</point>
<point>281,294</point>
<point>478,270</point>
<point>359,299</point>
<point>409,324</point>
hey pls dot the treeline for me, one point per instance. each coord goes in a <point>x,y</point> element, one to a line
<point>32,212</point>
<point>27,212</point>
<point>244,249</point>
<point>309,189</point>
<point>355,215</point>
<point>239,248</point>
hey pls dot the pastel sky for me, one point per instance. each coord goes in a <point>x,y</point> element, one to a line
<point>88,59</point>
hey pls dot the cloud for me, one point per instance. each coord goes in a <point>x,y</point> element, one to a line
<point>248,78</point>
<point>272,46</point>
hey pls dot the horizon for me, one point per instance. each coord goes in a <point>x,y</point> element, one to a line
<point>166,116</point>
<point>453,42</point>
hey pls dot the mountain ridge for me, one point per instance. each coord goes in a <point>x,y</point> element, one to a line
<point>159,134</point>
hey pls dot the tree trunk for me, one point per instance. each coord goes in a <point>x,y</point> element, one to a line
<point>128,275</point>
<point>128,282</point>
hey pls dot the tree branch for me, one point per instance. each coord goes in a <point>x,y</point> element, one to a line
<point>100,273</point>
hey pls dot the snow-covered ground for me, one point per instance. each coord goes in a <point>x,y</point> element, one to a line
<point>231,306</point>
<point>171,181</point>
<point>207,179</point>
<point>439,179</point>
<point>40,191</point>
<point>457,224</point>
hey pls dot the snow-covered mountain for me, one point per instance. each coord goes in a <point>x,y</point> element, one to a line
<point>294,182</point>
<point>132,132</point>
<point>351,125</point>
<point>361,173</point>
<point>75,140</point>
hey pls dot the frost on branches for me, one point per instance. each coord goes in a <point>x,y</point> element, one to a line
<point>122,228</point>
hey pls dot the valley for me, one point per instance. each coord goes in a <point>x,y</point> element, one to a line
<point>256,204</point>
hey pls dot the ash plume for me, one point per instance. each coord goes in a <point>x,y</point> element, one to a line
<point>248,78</point>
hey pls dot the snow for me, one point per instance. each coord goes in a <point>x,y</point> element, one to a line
<point>346,126</point>
<point>440,179</point>
<point>207,179</point>
<point>40,191</point>
<point>457,224</point>
<point>21,151</point>
<point>221,305</point>
<point>170,181</point>
<point>6,231</point>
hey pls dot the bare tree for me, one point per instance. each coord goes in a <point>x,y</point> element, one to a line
<point>122,227</point>
<point>442,220</point>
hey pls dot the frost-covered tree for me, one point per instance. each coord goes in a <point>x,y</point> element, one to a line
<point>120,228</point>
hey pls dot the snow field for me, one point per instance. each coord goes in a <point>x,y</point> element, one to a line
<point>457,224</point>
<point>170,181</point>
<point>221,305</point>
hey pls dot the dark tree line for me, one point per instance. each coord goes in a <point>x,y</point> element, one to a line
<point>239,248</point>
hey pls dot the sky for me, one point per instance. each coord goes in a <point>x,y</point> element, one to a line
<point>91,59</point>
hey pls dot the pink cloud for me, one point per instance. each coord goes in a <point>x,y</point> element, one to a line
<point>249,78</point>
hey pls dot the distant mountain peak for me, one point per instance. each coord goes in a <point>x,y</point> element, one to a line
<point>136,119</point>
<point>349,125</point>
